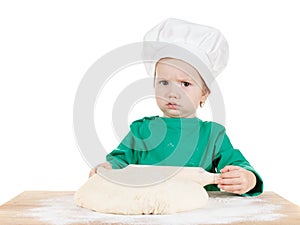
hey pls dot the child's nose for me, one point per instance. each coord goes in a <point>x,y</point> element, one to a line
<point>173,91</point>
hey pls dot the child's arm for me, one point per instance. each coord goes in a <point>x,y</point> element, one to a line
<point>105,165</point>
<point>236,180</point>
<point>237,175</point>
<point>119,157</point>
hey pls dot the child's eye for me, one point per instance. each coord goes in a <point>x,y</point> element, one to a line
<point>163,82</point>
<point>185,84</point>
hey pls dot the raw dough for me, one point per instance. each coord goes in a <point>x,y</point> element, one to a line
<point>174,195</point>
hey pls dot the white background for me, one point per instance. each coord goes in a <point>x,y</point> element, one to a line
<point>46,48</point>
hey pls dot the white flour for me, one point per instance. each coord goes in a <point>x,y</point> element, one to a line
<point>219,210</point>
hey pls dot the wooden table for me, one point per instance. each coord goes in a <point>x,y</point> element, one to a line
<point>48,207</point>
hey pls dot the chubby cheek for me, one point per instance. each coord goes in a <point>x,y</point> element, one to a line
<point>159,101</point>
<point>160,94</point>
<point>194,104</point>
<point>192,100</point>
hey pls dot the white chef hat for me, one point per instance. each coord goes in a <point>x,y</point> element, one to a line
<point>203,47</point>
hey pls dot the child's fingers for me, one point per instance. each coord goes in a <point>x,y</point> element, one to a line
<point>230,168</point>
<point>92,172</point>
<point>236,189</point>
<point>230,174</point>
<point>105,165</point>
<point>230,181</point>
<point>236,180</point>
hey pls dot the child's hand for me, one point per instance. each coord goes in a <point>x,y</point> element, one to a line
<point>236,180</point>
<point>105,165</point>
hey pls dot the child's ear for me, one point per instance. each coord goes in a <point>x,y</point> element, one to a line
<point>203,98</point>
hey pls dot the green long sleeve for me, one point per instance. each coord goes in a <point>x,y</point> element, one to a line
<point>180,142</point>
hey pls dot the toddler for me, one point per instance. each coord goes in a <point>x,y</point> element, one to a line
<point>178,137</point>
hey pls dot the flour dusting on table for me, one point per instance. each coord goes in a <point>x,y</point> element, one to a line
<point>219,210</point>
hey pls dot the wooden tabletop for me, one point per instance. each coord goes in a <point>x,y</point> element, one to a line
<point>48,207</point>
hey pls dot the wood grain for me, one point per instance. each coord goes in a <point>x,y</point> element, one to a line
<point>11,213</point>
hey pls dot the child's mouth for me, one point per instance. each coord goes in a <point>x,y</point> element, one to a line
<point>172,105</point>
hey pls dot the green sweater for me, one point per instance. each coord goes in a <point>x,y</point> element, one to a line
<point>180,142</point>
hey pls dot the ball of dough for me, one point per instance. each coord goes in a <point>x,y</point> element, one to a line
<point>171,196</point>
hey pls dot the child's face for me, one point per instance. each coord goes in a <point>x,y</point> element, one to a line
<point>178,88</point>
